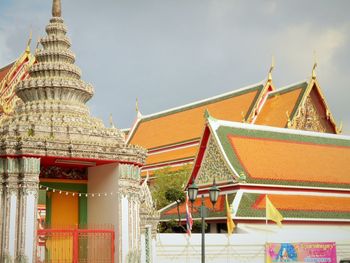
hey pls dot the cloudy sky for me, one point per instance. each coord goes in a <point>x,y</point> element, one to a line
<point>168,53</point>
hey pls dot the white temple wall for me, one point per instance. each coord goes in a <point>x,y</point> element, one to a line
<point>143,245</point>
<point>121,209</point>
<point>102,210</point>
<point>249,244</point>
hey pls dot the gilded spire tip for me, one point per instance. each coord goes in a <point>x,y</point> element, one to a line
<point>272,67</point>
<point>56,8</point>
<point>29,41</point>
<point>340,130</point>
<point>314,66</point>
<point>137,105</point>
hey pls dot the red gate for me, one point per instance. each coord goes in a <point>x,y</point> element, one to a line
<point>67,245</point>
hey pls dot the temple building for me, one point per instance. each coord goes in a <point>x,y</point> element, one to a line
<point>306,175</point>
<point>287,146</point>
<point>299,106</point>
<point>62,169</point>
<point>53,152</point>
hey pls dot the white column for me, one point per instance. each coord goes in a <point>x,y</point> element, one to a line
<point>9,209</point>
<point>27,210</point>
<point>125,228</point>
<point>129,196</point>
<point>2,171</point>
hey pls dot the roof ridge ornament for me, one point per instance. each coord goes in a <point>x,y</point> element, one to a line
<point>37,44</point>
<point>206,114</point>
<point>138,112</point>
<point>272,67</point>
<point>29,41</point>
<point>56,8</point>
<point>208,117</point>
<point>243,117</point>
<point>314,66</point>
<point>340,129</point>
<point>111,122</point>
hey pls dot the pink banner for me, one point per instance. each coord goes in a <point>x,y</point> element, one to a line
<point>301,252</point>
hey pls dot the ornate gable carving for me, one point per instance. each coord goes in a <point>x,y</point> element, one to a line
<point>308,118</point>
<point>213,165</point>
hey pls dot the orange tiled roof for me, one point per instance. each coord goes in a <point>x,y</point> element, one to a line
<point>172,155</point>
<point>187,123</point>
<point>292,160</point>
<point>306,203</point>
<point>278,103</point>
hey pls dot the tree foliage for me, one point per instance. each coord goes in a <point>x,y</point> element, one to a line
<point>168,186</point>
<point>173,227</point>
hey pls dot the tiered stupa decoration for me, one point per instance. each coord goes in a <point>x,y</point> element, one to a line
<point>54,124</point>
<point>54,119</point>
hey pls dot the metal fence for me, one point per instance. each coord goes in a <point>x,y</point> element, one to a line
<point>63,245</point>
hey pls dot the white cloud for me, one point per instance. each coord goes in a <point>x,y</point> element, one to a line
<point>297,43</point>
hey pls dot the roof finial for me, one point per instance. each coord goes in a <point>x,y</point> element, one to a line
<point>314,66</point>
<point>289,121</point>
<point>340,129</point>
<point>243,117</point>
<point>272,67</point>
<point>137,105</point>
<point>138,112</point>
<point>206,114</point>
<point>111,123</point>
<point>56,8</point>
<point>37,45</point>
<point>29,41</point>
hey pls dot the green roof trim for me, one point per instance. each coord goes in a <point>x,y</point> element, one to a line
<point>246,209</point>
<point>258,87</point>
<point>283,90</point>
<point>224,131</point>
<point>252,106</point>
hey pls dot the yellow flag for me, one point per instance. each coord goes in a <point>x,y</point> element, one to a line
<point>272,213</point>
<point>230,225</point>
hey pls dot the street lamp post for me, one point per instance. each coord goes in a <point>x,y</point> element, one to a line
<point>213,194</point>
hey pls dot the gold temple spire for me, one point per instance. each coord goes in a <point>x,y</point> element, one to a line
<point>56,8</point>
<point>272,67</point>
<point>29,41</point>
<point>314,66</point>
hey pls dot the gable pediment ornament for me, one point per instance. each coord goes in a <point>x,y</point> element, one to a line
<point>213,166</point>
